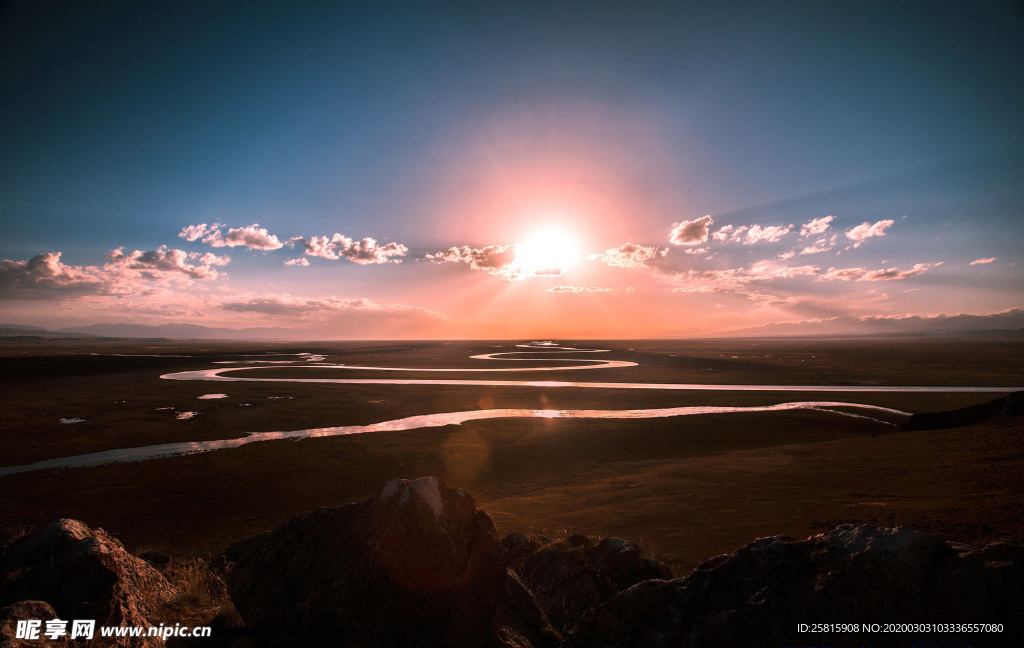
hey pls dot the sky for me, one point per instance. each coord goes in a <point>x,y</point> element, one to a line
<point>510,169</point>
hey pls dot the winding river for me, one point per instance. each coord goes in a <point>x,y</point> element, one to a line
<point>455,418</point>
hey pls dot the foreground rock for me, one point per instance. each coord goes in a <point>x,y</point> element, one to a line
<point>570,577</point>
<point>414,565</point>
<point>854,574</point>
<point>81,573</point>
<point>26,611</point>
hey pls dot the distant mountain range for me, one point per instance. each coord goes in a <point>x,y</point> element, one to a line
<point>1009,323</point>
<point>175,331</point>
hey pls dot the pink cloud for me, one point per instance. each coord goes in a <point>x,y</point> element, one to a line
<point>885,274</point>
<point>162,264</point>
<point>769,234</point>
<point>495,259</point>
<point>690,232</point>
<point>252,237</point>
<point>816,226</point>
<point>821,245</point>
<point>578,289</point>
<point>724,233</point>
<point>867,230</point>
<point>753,234</point>
<point>329,308</point>
<point>45,277</point>
<point>364,252</point>
<point>629,255</point>
<point>983,261</point>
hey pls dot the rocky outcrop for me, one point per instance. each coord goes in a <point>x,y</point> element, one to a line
<point>854,574</point>
<point>27,611</point>
<point>1001,409</point>
<point>570,577</point>
<point>416,564</point>
<point>82,573</point>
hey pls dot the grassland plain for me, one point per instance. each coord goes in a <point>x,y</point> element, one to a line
<point>687,487</point>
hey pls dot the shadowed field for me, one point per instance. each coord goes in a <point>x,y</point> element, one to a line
<point>688,487</point>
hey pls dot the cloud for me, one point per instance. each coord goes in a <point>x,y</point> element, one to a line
<point>816,226</point>
<point>495,259</point>
<point>163,264</point>
<point>629,255</point>
<point>45,277</point>
<point>787,255</point>
<point>193,232</point>
<point>770,270</point>
<point>364,252</point>
<point>981,261</point>
<point>699,250</point>
<point>301,261</point>
<point>578,289</point>
<point>723,233</point>
<point>331,317</point>
<point>821,245</point>
<point>770,234</point>
<point>252,237</point>
<point>867,230</point>
<point>690,232</point>
<point>752,234</point>
<point>327,308</point>
<point>704,288</point>
<point>885,274</point>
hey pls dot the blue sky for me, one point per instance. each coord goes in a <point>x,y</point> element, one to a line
<point>440,125</point>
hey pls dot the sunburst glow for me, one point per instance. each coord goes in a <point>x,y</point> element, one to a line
<point>547,254</point>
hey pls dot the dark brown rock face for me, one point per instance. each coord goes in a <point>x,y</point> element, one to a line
<point>414,565</point>
<point>854,574</point>
<point>27,611</point>
<point>568,578</point>
<point>83,574</point>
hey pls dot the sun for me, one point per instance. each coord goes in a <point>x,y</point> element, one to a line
<point>547,253</point>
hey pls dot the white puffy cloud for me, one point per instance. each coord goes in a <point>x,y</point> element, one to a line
<point>690,232</point>
<point>816,226</point>
<point>867,230</point>
<point>787,255</point>
<point>301,261</point>
<point>252,237</point>
<point>629,255</point>
<point>885,274</point>
<point>364,252</point>
<point>983,261</point>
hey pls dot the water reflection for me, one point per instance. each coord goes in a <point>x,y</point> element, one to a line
<point>426,421</point>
